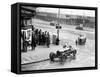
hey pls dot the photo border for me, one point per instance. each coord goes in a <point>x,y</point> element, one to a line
<point>54,6</point>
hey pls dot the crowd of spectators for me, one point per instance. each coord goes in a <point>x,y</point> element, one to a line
<point>38,37</point>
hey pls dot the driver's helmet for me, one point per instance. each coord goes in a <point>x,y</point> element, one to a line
<point>80,35</point>
<point>81,25</point>
<point>66,45</point>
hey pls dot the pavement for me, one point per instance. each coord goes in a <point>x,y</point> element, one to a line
<point>40,53</point>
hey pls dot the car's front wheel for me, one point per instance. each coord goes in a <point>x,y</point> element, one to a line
<point>52,56</point>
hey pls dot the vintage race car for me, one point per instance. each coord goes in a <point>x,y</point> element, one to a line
<point>64,53</point>
<point>81,40</point>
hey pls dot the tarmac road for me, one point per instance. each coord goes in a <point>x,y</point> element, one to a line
<point>85,54</point>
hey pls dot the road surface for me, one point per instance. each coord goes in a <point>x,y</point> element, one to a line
<point>85,54</point>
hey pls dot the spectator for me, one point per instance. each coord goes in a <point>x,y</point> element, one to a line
<point>48,40</point>
<point>40,38</point>
<point>57,41</point>
<point>24,42</point>
<point>33,44</point>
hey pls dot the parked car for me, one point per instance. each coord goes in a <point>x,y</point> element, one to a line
<point>53,23</point>
<point>80,27</point>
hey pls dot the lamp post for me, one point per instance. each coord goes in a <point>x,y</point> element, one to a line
<point>58,27</point>
<point>58,22</point>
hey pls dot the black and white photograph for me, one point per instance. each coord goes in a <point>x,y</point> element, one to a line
<point>57,38</point>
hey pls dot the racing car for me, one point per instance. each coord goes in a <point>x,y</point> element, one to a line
<point>81,40</point>
<point>63,54</point>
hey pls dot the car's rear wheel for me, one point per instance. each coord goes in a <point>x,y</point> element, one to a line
<point>74,54</point>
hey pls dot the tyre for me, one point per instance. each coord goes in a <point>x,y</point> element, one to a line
<point>58,53</point>
<point>76,42</point>
<point>52,56</point>
<point>85,41</point>
<point>74,54</point>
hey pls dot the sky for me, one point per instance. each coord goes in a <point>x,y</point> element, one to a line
<point>68,11</point>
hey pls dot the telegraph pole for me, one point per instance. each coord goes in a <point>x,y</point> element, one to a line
<point>83,18</point>
<point>58,22</point>
<point>58,27</point>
